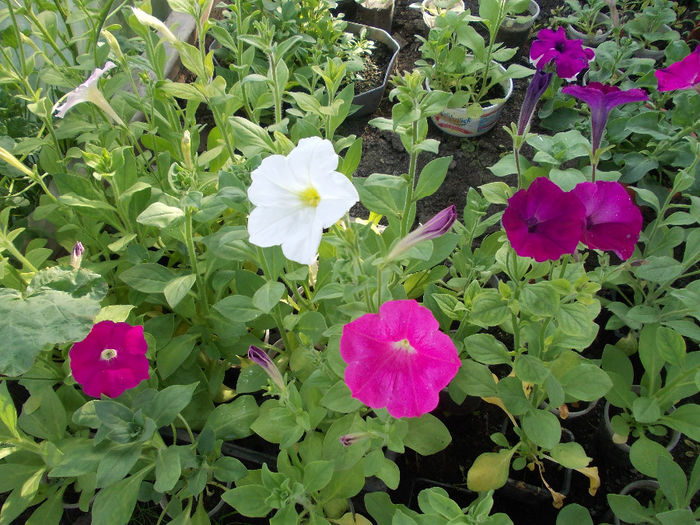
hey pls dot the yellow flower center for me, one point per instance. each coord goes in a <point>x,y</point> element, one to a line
<point>404,346</point>
<point>310,197</point>
<point>108,354</point>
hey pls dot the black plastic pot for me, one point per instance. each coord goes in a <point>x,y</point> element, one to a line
<point>369,100</point>
<point>642,485</point>
<point>375,13</point>
<point>515,34</point>
<point>591,40</point>
<point>620,452</point>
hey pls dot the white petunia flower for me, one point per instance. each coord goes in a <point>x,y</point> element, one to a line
<point>158,25</point>
<point>89,92</point>
<point>296,197</point>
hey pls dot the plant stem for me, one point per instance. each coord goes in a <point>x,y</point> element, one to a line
<point>413,162</point>
<point>193,262</point>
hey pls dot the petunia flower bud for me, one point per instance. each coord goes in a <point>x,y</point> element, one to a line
<point>259,357</point>
<point>186,147</point>
<point>435,227</point>
<point>151,21</point>
<point>538,85</point>
<point>348,439</point>
<point>76,255</point>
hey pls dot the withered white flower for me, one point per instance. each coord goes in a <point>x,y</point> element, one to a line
<point>89,92</point>
<point>296,197</point>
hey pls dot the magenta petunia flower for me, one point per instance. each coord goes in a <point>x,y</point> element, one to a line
<point>569,56</point>
<point>601,98</point>
<point>110,360</point>
<point>398,359</point>
<point>613,221</point>
<point>544,222</point>
<point>684,74</point>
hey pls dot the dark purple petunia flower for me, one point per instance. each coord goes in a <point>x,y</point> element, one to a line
<point>544,222</point>
<point>613,221</point>
<point>601,98</point>
<point>538,85</point>
<point>569,56</point>
<point>684,74</point>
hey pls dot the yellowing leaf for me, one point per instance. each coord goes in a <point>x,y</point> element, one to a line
<point>594,479</point>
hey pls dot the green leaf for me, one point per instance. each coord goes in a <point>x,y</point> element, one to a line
<point>570,455</point>
<point>574,514</point>
<point>267,297</point>
<point>531,369</point>
<point>117,313</point>
<point>489,471</point>
<point>648,354</point>
<point>586,382</point>
<point>677,517</point>
<point>659,269</point>
<point>489,309</point>
<point>540,299</point>
<point>147,277</point>
<point>232,420</point>
<point>117,463</point>
<point>629,509</point>
<point>8,413</point>
<point>495,192</point>
<point>172,355</point>
<point>58,307</point>
<point>168,469</point>
<point>49,512</point>
<point>176,290</point>
<point>475,379</point>
<point>160,215</point>
<point>317,474</point>
<point>646,410</point>
<point>672,481</point>
<point>115,504</point>
<point>645,455</point>
<point>228,469</point>
<point>249,500</point>
<point>427,435</point>
<point>486,349</point>
<point>542,427</point>
<point>237,308</point>
<point>685,419</point>
<point>339,398</point>
<point>671,345</point>
<point>431,177</point>
<point>166,404</point>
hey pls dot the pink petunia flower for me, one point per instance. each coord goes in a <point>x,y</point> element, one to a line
<point>569,56</point>
<point>110,360</point>
<point>613,221</point>
<point>602,98</point>
<point>398,359</point>
<point>544,222</point>
<point>684,74</point>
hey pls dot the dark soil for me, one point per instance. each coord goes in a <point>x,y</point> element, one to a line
<point>470,157</point>
<point>372,75</point>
